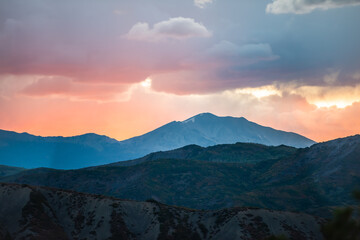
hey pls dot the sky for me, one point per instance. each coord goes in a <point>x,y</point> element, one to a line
<point>123,68</point>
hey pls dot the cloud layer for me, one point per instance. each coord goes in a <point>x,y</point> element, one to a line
<point>234,45</point>
<point>306,6</point>
<point>69,67</point>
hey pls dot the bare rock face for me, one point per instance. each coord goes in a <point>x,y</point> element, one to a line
<point>28,212</point>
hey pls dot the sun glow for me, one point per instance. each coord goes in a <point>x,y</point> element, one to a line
<point>260,92</point>
<point>327,97</point>
<point>328,104</point>
<point>146,83</point>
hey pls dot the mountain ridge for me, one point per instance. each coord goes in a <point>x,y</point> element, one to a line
<point>196,152</point>
<point>29,151</point>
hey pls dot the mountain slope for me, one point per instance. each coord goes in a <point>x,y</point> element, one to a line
<point>291,182</point>
<point>334,166</point>
<point>25,150</point>
<point>226,153</point>
<point>7,171</point>
<point>44,213</point>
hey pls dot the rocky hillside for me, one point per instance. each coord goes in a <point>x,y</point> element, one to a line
<point>28,212</point>
<point>313,180</point>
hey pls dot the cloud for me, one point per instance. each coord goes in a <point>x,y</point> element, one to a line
<point>323,96</point>
<point>49,40</point>
<point>202,3</point>
<point>247,52</point>
<point>260,92</point>
<point>331,78</point>
<point>60,87</point>
<point>216,69</point>
<point>356,76</point>
<point>48,86</point>
<point>85,44</point>
<point>174,28</point>
<point>306,6</point>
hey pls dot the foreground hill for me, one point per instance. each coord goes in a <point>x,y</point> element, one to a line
<point>313,180</point>
<point>28,212</point>
<point>25,150</point>
<point>225,153</point>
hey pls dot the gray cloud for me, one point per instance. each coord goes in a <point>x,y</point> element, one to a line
<point>174,28</point>
<point>247,52</point>
<point>306,6</point>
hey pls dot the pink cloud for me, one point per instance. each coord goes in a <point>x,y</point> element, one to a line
<point>66,88</point>
<point>44,87</point>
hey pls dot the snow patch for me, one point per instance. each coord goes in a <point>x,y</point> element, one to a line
<point>189,120</point>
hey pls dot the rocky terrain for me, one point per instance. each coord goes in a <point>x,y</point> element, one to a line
<point>28,212</point>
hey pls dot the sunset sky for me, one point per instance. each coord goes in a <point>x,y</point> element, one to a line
<point>123,68</point>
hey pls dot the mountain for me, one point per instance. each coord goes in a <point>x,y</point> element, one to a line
<point>25,150</point>
<point>7,171</point>
<point>46,213</point>
<point>313,180</point>
<point>207,129</point>
<point>28,151</point>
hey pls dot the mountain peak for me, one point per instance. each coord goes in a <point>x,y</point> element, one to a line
<point>205,115</point>
<point>209,116</point>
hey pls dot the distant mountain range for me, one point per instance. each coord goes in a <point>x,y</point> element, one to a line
<point>45,213</point>
<point>29,151</point>
<point>312,180</point>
